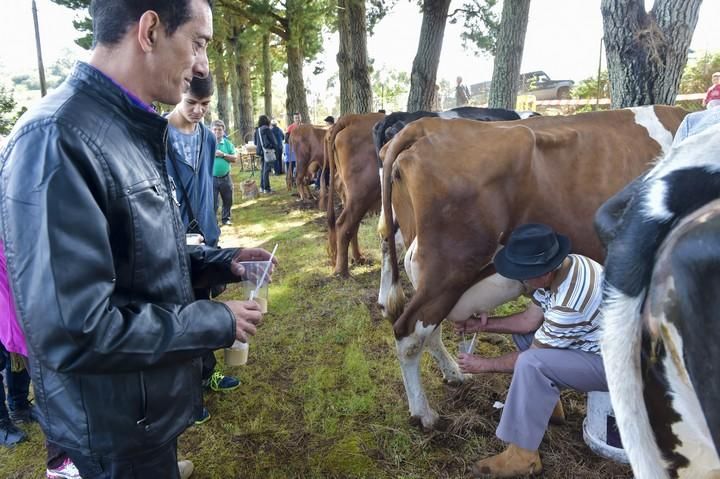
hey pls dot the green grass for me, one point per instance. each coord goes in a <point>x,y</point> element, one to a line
<point>322,395</point>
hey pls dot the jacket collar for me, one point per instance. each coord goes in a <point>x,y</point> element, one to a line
<point>88,78</point>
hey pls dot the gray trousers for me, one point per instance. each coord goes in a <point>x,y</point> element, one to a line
<point>538,377</point>
<point>222,186</point>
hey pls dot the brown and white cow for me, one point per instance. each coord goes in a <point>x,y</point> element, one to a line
<point>459,187</point>
<point>352,161</point>
<point>308,143</point>
<point>661,338</point>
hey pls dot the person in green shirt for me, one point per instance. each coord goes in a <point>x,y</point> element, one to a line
<point>222,182</point>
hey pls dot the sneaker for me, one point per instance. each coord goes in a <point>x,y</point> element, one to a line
<point>204,416</point>
<point>25,415</point>
<point>186,469</point>
<point>66,470</point>
<point>10,434</point>
<point>220,382</point>
<point>227,223</point>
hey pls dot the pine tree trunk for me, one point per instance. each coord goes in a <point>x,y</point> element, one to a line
<point>427,58</point>
<point>267,74</point>
<point>647,51</point>
<point>343,59</point>
<point>508,57</point>
<point>296,101</point>
<point>242,98</point>
<point>235,94</point>
<point>221,86</point>
<point>359,72</point>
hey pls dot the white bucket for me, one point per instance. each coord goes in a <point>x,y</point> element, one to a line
<point>600,429</point>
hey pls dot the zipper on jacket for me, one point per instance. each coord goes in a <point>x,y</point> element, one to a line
<point>143,396</point>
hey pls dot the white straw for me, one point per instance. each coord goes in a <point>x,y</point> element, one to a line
<point>254,293</point>
<point>472,344</point>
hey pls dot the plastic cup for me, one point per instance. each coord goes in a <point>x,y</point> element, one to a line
<point>237,354</point>
<point>255,286</point>
<point>466,346</point>
<point>194,239</point>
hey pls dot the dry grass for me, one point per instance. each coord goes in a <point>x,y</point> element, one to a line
<point>322,395</point>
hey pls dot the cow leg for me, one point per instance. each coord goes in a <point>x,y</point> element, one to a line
<point>347,226</point>
<point>409,351</point>
<point>450,370</point>
<point>357,257</point>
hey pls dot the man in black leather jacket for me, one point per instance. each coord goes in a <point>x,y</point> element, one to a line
<point>96,255</point>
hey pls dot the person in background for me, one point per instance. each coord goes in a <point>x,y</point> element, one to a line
<point>557,338</point>
<point>290,163</point>
<point>462,94</point>
<point>222,180</point>
<point>297,119</point>
<point>18,387</point>
<point>269,148</point>
<point>115,339</point>
<point>279,137</point>
<point>190,156</point>
<point>329,120</point>
<point>712,97</point>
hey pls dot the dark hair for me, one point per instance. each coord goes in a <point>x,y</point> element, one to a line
<point>219,123</point>
<point>202,87</point>
<point>263,121</point>
<point>111,19</point>
<point>329,119</point>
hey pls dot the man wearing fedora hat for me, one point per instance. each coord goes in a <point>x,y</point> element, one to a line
<point>557,338</point>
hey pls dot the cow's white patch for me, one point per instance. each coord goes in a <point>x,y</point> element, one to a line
<point>645,116</point>
<point>409,351</point>
<point>696,442</point>
<point>412,267</point>
<point>620,346</point>
<point>450,370</point>
<point>655,204</point>
<point>484,296</point>
<point>448,114</point>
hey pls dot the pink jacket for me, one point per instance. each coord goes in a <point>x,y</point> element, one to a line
<point>11,336</point>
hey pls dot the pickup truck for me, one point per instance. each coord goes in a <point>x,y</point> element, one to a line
<point>539,84</point>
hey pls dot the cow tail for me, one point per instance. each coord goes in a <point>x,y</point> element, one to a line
<point>396,296</point>
<point>621,346</point>
<point>330,197</point>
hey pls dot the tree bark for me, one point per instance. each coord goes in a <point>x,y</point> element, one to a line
<point>343,59</point>
<point>647,51</point>
<point>510,44</point>
<point>267,74</point>
<point>243,101</point>
<point>221,86</point>
<point>427,58</point>
<point>359,72</point>
<point>296,100</point>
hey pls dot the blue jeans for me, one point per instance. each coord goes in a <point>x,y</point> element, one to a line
<point>267,166</point>
<point>18,385</point>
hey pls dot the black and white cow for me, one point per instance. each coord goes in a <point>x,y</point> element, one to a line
<point>661,343</point>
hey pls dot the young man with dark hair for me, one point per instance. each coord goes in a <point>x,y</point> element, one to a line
<point>190,156</point>
<point>297,119</point>
<point>116,336</point>
<point>269,148</point>
<point>279,138</point>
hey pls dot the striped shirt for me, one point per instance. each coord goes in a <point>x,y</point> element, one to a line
<point>572,308</point>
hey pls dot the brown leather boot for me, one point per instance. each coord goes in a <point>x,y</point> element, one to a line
<point>513,461</point>
<point>558,415</point>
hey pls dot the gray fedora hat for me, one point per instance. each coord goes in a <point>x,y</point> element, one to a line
<point>531,251</point>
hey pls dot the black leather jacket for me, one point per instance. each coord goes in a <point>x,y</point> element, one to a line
<point>100,273</point>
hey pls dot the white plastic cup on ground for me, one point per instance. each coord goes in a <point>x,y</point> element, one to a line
<point>237,354</point>
<point>255,285</point>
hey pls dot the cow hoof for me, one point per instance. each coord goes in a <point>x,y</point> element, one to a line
<point>362,261</point>
<point>430,423</point>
